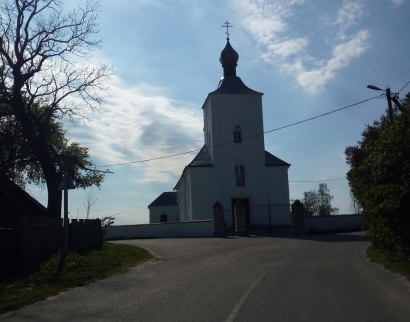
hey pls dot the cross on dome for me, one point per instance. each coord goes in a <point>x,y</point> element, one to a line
<point>227,26</point>
<point>229,57</point>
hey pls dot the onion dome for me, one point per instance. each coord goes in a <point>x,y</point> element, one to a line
<point>230,83</point>
<point>228,55</point>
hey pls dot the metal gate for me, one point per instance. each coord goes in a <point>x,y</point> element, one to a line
<point>264,216</point>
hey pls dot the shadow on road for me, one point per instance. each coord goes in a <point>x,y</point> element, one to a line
<point>331,237</point>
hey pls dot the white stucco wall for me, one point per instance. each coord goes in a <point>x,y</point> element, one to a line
<point>229,111</point>
<point>208,124</point>
<point>323,223</point>
<point>204,192</point>
<point>184,196</point>
<point>155,213</point>
<point>276,189</point>
<point>164,230</point>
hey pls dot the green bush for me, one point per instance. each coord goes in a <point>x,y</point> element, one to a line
<point>379,178</point>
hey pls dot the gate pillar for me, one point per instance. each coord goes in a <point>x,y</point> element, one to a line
<point>298,217</point>
<point>219,220</point>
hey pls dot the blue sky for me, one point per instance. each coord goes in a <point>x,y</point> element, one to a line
<point>308,57</point>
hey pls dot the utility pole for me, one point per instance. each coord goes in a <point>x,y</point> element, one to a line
<point>65,185</point>
<point>388,94</point>
<point>389,99</point>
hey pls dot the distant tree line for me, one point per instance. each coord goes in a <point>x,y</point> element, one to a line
<point>318,203</point>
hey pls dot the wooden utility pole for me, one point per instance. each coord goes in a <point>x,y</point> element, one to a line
<point>388,94</point>
<point>389,99</point>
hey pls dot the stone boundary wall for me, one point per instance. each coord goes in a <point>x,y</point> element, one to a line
<point>184,229</point>
<point>317,224</point>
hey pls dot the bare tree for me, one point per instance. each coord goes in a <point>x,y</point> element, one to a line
<point>39,46</point>
<point>90,201</point>
<point>355,205</point>
<point>318,203</point>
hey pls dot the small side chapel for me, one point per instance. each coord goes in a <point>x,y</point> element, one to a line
<point>233,164</point>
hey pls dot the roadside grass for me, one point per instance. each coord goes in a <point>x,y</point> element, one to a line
<point>61,273</point>
<point>390,261</point>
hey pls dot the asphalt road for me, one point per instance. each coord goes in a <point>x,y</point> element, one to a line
<point>283,277</point>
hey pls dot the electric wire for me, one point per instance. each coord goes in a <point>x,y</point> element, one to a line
<point>317,180</point>
<point>403,87</point>
<point>244,138</point>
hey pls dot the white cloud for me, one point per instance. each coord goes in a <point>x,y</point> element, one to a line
<point>347,16</point>
<point>397,2</point>
<point>348,13</point>
<point>142,124</point>
<point>263,19</point>
<point>315,79</point>
<point>288,47</point>
<point>266,23</point>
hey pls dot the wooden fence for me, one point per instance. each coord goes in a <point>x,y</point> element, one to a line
<point>85,234</point>
<point>27,240</point>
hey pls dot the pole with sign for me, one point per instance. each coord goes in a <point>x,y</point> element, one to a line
<point>66,183</point>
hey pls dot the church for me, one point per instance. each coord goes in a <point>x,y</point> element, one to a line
<point>233,164</point>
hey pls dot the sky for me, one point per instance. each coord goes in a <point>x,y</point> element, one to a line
<point>308,57</point>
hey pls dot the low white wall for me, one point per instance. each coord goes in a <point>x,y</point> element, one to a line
<point>322,223</point>
<point>198,228</point>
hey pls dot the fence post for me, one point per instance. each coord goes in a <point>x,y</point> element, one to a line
<point>240,218</point>
<point>219,220</point>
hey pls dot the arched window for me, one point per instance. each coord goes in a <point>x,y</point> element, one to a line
<point>237,135</point>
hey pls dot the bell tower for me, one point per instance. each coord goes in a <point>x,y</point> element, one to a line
<point>233,114</point>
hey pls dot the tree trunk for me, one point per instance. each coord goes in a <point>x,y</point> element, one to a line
<point>40,150</point>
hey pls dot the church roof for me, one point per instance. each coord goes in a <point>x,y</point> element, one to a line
<point>230,83</point>
<point>202,159</point>
<point>165,199</point>
<point>271,160</point>
<point>233,85</point>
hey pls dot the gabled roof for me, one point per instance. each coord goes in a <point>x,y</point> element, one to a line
<point>271,160</point>
<point>202,159</point>
<point>165,199</point>
<point>15,201</point>
<point>233,85</point>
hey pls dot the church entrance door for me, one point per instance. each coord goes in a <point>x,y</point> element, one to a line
<point>247,210</point>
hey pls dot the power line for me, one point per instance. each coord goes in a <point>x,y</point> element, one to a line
<point>404,86</point>
<point>244,138</point>
<point>146,160</point>
<point>315,117</point>
<point>319,180</point>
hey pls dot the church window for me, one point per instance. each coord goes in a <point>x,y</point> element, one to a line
<point>240,175</point>
<point>237,135</point>
<point>239,170</point>
<point>163,218</point>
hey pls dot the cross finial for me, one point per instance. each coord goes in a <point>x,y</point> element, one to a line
<point>227,26</point>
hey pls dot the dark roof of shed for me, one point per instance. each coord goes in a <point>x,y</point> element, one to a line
<point>202,159</point>
<point>271,160</point>
<point>15,201</point>
<point>233,85</point>
<point>165,199</point>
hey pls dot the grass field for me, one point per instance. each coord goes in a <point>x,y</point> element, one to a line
<point>60,273</point>
<point>390,262</point>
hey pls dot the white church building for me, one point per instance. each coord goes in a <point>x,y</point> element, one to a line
<point>233,164</point>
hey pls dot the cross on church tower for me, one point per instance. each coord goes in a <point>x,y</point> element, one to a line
<point>227,26</point>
